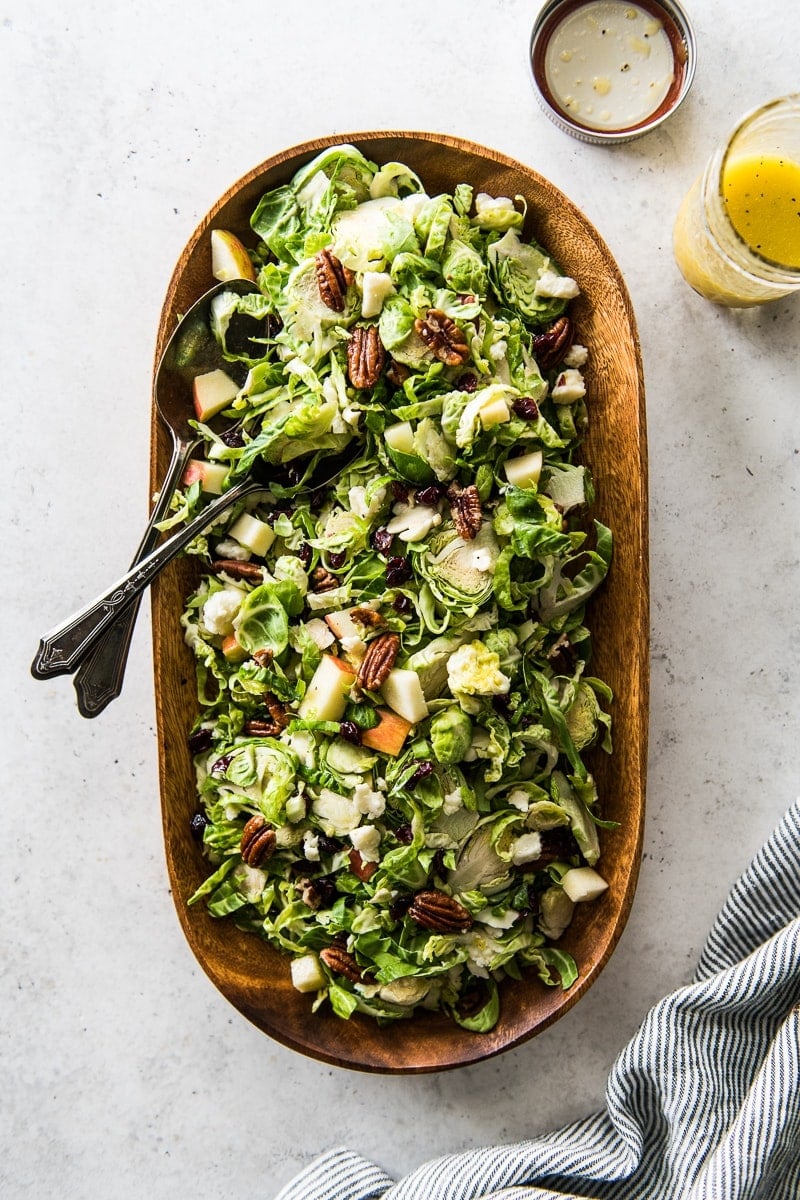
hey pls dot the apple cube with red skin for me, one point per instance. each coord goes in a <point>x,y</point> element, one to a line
<point>360,867</point>
<point>328,691</point>
<point>229,259</point>
<point>389,734</point>
<point>212,392</point>
<point>211,475</point>
<point>232,650</point>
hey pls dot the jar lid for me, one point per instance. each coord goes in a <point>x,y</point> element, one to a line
<point>607,71</point>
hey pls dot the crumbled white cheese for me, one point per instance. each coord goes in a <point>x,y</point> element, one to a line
<point>576,356</point>
<point>569,386</point>
<point>311,846</point>
<point>526,848</point>
<point>354,647</point>
<point>337,814</point>
<point>558,287</point>
<point>319,633</point>
<point>220,609</point>
<point>519,799</point>
<point>228,548</point>
<point>366,840</point>
<point>413,522</point>
<point>453,802</point>
<point>368,801</point>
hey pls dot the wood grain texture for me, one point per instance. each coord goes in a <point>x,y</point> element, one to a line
<point>253,976</point>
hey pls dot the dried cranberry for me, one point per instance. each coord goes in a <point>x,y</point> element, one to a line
<point>424,769</point>
<point>467,382</point>
<point>197,825</point>
<point>328,845</point>
<point>382,541</point>
<point>275,513</point>
<point>401,603</point>
<point>305,554</point>
<point>501,705</point>
<point>325,888</point>
<point>221,765</point>
<point>398,570</point>
<point>399,491</point>
<point>233,437</point>
<point>350,732</point>
<point>430,495</point>
<point>437,865</point>
<point>526,407</point>
<point>400,906</point>
<point>199,740</point>
<point>272,325</point>
<point>404,834</point>
<point>336,559</point>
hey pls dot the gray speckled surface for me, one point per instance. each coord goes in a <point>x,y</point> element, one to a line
<point>125,1072</point>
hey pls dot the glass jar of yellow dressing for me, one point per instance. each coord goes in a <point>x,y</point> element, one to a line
<point>737,234</point>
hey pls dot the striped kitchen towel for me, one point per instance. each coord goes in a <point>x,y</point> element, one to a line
<point>703,1104</point>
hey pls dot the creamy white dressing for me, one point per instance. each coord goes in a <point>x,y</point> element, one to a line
<point>609,64</point>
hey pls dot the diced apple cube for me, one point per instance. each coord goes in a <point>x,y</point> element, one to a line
<point>400,437</point>
<point>389,734</point>
<point>326,698</point>
<point>375,287</point>
<point>307,974</point>
<point>495,413</point>
<point>583,883</point>
<point>212,392</point>
<point>342,625</point>
<point>402,691</point>
<point>256,536</point>
<point>211,476</point>
<point>524,472</point>
<point>232,650</point>
<point>229,259</point>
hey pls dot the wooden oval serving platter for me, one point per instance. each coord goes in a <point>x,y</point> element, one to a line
<point>253,976</point>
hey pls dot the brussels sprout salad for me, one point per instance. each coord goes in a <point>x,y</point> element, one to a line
<point>392,667</point>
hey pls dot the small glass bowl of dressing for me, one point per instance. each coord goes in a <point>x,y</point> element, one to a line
<point>607,71</point>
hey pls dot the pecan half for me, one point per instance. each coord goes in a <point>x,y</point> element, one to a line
<point>439,912</point>
<point>238,570</point>
<point>264,657</point>
<point>332,280</point>
<point>260,727</point>
<point>323,580</point>
<point>441,335</point>
<point>465,507</point>
<point>550,346</point>
<point>365,357</point>
<point>397,373</point>
<point>258,841</point>
<point>367,617</point>
<point>277,710</point>
<point>378,661</point>
<point>341,962</point>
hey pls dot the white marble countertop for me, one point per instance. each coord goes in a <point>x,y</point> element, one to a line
<point>126,1074</point>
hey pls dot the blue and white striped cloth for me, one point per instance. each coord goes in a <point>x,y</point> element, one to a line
<point>703,1104</point>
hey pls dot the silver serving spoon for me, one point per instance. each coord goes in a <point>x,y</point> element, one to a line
<point>64,648</point>
<point>191,350</point>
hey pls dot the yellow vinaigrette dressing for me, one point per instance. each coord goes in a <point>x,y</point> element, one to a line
<point>762,199</point>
